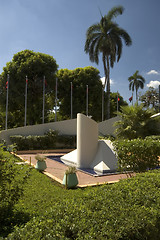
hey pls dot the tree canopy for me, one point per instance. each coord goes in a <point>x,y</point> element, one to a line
<point>113,100</point>
<point>35,66</point>
<point>150,98</point>
<point>80,78</point>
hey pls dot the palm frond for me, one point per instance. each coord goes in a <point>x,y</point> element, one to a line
<point>125,36</point>
<point>114,12</point>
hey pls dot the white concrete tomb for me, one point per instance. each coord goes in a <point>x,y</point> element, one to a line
<point>91,153</point>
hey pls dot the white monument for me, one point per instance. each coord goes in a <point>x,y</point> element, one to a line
<point>91,153</point>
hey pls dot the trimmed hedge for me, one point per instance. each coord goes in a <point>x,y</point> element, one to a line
<point>126,210</point>
<point>137,155</point>
<point>50,140</point>
<point>40,209</point>
<point>12,178</point>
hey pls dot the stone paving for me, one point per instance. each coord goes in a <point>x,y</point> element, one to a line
<point>56,170</point>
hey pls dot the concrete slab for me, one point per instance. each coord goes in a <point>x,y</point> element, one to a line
<point>55,170</point>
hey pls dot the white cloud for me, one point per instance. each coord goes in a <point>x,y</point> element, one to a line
<point>153,84</point>
<point>103,80</point>
<point>112,82</point>
<point>152,72</point>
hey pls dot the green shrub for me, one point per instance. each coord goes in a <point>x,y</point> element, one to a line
<point>34,207</point>
<point>136,122</point>
<point>126,210</point>
<point>12,177</point>
<point>50,140</point>
<point>153,137</point>
<point>107,137</point>
<point>138,154</point>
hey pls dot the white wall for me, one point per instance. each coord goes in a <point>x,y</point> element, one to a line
<point>67,127</point>
<point>106,127</point>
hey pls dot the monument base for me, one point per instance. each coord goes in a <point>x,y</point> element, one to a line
<point>104,161</point>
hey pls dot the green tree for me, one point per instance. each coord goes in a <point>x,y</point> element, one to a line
<point>35,65</point>
<point>80,77</point>
<point>150,98</point>
<point>113,100</point>
<point>136,122</point>
<point>136,81</point>
<point>106,38</point>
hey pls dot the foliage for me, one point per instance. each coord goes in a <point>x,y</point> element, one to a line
<point>35,65</point>
<point>137,155</point>
<point>2,118</point>
<point>150,98</point>
<point>153,137</point>
<point>136,81</point>
<point>50,140</point>
<point>40,158</point>
<point>41,209</point>
<point>80,77</point>
<point>106,38</point>
<point>136,122</point>
<point>70,170</point>
<point>107,137</point>
<point>126,210</point>
<point>113,102</point>
<point>12,178</point>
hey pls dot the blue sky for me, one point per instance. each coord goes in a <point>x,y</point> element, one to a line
<point>58,28</point>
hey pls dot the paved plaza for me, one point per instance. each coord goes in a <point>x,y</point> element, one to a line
<point>56,170</point>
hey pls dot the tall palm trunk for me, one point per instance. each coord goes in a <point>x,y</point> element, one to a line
<point>105,69</point>
<point>107,82</point>
<point>108,89</point>
<point>136,95</point>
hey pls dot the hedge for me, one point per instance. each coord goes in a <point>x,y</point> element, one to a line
<point>50,140</point>
<point>126,210</point>
<point>12,178</point>
<point>137,155</point>
<point>34,207</point>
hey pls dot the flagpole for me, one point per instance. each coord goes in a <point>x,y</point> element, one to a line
<point>71,102</point>
<point>56,103</point>
<point>25,116</point>
<point>159,98</point>
<point>102,104</point>
<point>117,102</point>
<point>7,86</point>
<point>43,99</point>
<point>87,101</point>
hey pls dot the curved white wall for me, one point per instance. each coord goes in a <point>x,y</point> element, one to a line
<point>87,140</point>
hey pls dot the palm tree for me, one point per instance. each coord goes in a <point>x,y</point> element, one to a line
<point>106,38</point>
<point>135,121</point>
<point>136,81</point>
